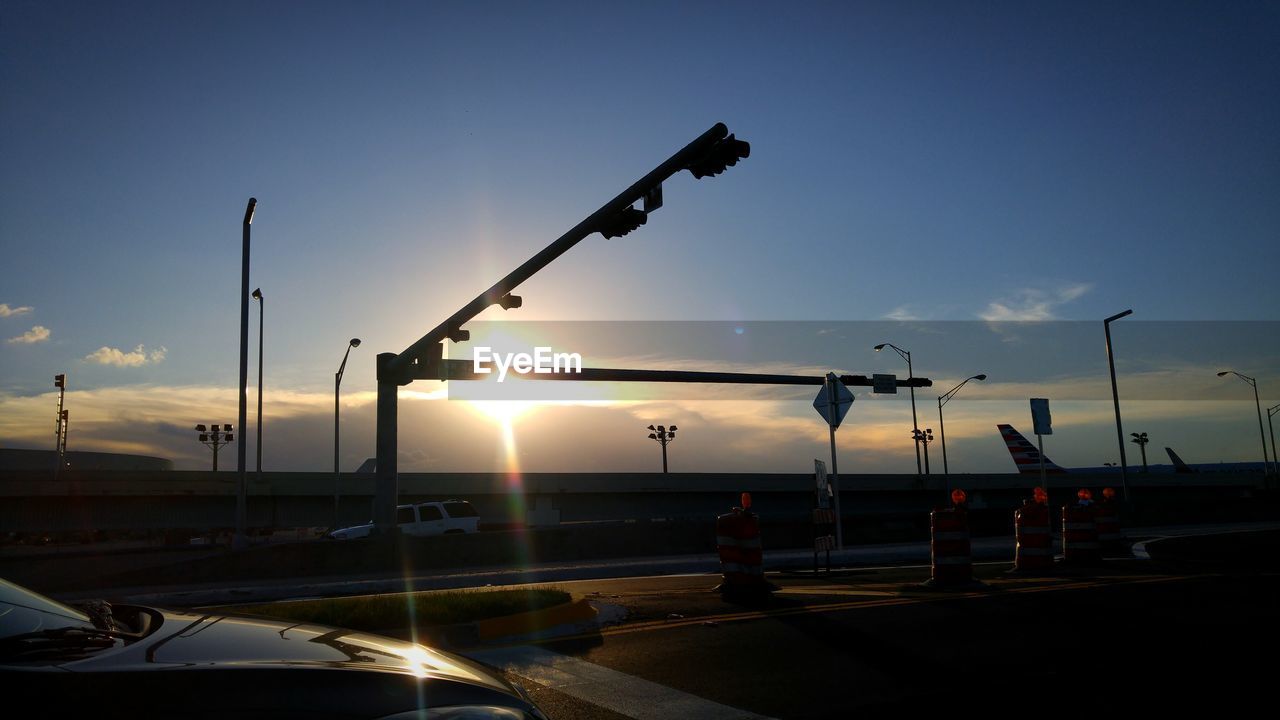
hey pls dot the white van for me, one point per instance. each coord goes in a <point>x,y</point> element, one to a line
<point>423,519</point>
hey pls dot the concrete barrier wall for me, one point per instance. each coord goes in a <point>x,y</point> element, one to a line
<point>33,502</point>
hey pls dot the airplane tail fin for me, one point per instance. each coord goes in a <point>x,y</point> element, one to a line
<point>1025,454</point>
<point>1178,465</point>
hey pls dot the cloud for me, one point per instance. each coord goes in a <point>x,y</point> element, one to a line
<point>902,312</point>
<point>6,311</point>
<point>1031,304</point>
<point>39,333</point>
<point>139,357</point>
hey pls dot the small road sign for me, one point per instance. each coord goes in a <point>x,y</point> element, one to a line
<point>882,384</point>
<point>843,400</point>
<point>1040,419</point>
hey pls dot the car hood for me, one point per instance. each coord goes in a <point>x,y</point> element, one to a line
<point>187,640</point>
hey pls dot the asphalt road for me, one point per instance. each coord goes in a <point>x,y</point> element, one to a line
<point>1129,637</point>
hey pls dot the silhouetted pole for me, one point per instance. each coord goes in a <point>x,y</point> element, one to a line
<point>1140,439</point>
<point>60,425</point>
<point>337,385</point>
<point>1115,399</point>
<point>915,426</point>
<point>663,436</point>
<point>257,295</point>
<point>1266,462</point>
<point>835,472</point>
<point>388,434</point>
<point>240,541</point>
<point>1275,459</point>
<point>942,430</point>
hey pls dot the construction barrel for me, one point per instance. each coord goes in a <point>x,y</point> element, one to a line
<point>1107,517</point>
<point>1033,550</point>
<point>741,553</point>
<point>1080,532</point>
<point>952,562</point>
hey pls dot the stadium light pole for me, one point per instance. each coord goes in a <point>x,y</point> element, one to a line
<point>337,385</point>
<point>240,541</point>
<point>1141,440</point>
<point>942,429</point>
<point>1115,399</point>
<point>915,426</point>
<point>663,435</point>
<point>257,295</point>
<point>1266,461</point>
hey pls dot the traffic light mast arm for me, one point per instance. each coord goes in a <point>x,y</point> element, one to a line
<point>697,156</point>
<point>465,370</point>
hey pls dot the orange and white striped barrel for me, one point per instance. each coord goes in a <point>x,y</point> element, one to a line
<point>1107,518</point>
<point>952,562</point>
<point>1034,542</point>
<point>741,554</point>
<point>1079,535</point>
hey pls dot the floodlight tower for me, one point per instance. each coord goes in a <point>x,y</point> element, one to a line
<point>215,436</point>
<point>663,435</point>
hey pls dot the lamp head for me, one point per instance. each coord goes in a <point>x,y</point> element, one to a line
<point>257,293</point>
<point>355,342</point>
<point>1224,372</point>
<point>980,377</point>
<point>880,347</point>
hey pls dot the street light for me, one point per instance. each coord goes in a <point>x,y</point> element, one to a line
<point>924,437</point>
<point>915,426</point>
<point>1140,439</point>
<point>1265,459</point>
<point>663,436</point>
<point>240,541</point>
<point>215,436</point>
<point>1115,399</point>
<point>942,429</point>
<point>337,384</point>
<point>257,295</point>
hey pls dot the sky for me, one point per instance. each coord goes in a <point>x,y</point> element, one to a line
<point>921,170</point>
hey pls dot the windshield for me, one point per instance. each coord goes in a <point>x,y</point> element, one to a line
<point>23,611</point>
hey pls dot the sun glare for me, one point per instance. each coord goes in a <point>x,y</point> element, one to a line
<point>504,412</point>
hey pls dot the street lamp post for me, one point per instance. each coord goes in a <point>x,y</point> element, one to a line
<point>337,385</point>
<point>942,429</point>
<point>915,426</point>
<point>215,438</point>
<point>257,295</point>
<point>1140,439</point>
<point>1115,399</point>
<point>241,540</point>
<point>663,435</point>
<point>1266,461</point>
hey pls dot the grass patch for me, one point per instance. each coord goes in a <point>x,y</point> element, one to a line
<point>383,612</point>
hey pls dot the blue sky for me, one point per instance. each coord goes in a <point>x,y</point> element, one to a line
<point>912,161</point>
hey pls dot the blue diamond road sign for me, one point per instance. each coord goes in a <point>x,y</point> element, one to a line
<point>843,401</point>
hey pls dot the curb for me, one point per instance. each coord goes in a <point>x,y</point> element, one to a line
<point>575,611</point>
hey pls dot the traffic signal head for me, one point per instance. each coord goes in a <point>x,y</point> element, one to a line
<point>200,427</point>
<point>622,223</point>
<point>511,302</point>
<point>724,154</point>
<point>60,380</point>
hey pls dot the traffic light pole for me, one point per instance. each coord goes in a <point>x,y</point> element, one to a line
<point>708,155</point>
